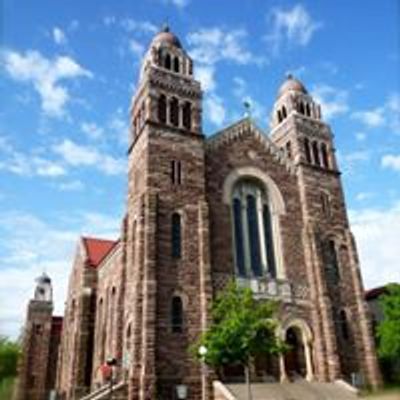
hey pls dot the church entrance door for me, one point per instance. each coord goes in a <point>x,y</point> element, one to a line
<point>295,362</point>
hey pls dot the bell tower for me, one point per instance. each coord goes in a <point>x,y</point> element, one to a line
<point>33,374</point>
<point>330,253</point>
<point>167,262</point>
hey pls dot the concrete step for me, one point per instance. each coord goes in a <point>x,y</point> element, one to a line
<point>300,390</point>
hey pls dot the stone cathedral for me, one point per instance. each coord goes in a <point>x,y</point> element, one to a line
<point>267,210</point>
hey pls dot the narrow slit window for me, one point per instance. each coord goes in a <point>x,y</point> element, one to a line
<point>176,314</point>
<point>176,236</point>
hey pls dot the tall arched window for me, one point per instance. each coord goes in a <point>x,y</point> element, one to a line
<point>253,230</point>
<point>176,314</point>
<point>167,61</point>
<point>279,114</point>
<point>343,325</point>
<point>316,153</point>
<point>307,150</point>
<point>331,263</point>
<point>187,115</point>
<point>176,64</point>
<point>301,108</point>
<point>162,109</point>
<point>176,233</point>
<point>324,154</point>
<point>174,112</point>
<point>284,113</point>
<point>308,110</point>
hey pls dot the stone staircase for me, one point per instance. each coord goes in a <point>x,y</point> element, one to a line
<point>299,390</point>
<point>117,392</point>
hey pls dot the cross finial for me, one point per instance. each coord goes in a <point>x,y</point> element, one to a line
<point>247,107</point>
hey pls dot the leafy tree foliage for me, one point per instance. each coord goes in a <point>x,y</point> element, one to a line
<point>389,328</point>
<point>242,327</point>
<point>9,353</point>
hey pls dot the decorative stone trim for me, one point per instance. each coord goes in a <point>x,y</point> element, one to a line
<point>247,127</point>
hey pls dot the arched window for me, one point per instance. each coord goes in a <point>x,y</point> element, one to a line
<point>301,108</point>
<point>331,263</point>
<point>187,115</point>
<point>128,337</point>
<point>308,110</point>
<point>190,67</point>
<point>162,109</point>
<point>174,112</point>
<point>324,154</point>
<point>252,230</point>
<point>307,150</point>
<point>289,149</point>
<point>343,325</point>
<point>316,153</point>
<point>279,116</point>
<point>176,235</point>
<point>325,204</point>
<point>176,64</point>
<point>176,314</point>
<point>284,113</point>
<point>167,61</point>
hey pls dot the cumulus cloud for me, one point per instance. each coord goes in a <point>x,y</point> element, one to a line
<point>205,74</point>
<point>211,45</point>
<point>71,186</point>
<point>46,76</point>
<point>78,155</point>
<point>34,245</point>
<point>215,109</point>
<point>333,101</point>
<point>136,48</point>
<point>391,161</point>
<point>29,164</point>
<point>291,26</point>
<point>92,130</point>
<point>59,36</point>
<point>387,115</point>
<point>377,233</point>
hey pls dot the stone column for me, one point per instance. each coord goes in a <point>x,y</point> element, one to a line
<point>370,362</point>
<point>282,369</point>
<point>307,354</point>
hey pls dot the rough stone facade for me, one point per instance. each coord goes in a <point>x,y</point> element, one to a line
<point>268,211</point>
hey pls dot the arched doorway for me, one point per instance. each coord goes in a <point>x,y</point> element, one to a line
<point>295,361</point>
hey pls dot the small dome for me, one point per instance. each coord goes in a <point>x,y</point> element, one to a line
<point>44,278</point>
<point>166,37</point>
<point>291,84</point>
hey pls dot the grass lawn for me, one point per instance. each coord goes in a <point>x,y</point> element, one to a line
<point>6,388</point>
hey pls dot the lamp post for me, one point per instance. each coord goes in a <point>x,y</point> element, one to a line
<point>181,391</point>
<point>202,353</point>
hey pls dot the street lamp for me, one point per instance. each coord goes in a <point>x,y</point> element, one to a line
<point>203,352</point>
<point>182,391</point>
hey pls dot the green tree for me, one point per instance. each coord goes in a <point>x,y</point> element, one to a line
<point>242,328</point>
<point>9,353</point>
<point>389,329</point>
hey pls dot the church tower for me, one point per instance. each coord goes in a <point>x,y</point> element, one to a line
<point>167,266</point>
<point>33,367</point>
<point>341,324</point>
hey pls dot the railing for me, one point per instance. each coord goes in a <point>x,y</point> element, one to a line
<point>105,391</point>
<point>278,289</point>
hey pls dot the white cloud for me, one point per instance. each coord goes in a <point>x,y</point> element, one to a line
<point>32,245</point>
<point>132,25</point>
<point>92,130</point>
<point>241,92</point>
<point>78,155</point>
<point>211,45</point>
<point>46,76</point>
<point>333,101</point>
<point>29,164</point>
<point>361,136</point>
<point>205,74</point>
<point>377,233</point>
<point>350,161</point>
<point>215,109</point>
<point>291,26</point>
<point>371,118</point>
<point>391,161</point>
<point>59,36</point>
<point>179,3</point>
<point>72,186</point>
<point>136,48</point>
<point>387,115</point>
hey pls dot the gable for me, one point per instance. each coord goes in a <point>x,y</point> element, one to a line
<point>246,128</point>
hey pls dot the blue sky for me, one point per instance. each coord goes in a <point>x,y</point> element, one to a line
<point>67,74</point>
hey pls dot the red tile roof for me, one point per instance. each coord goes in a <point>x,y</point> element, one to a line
<point>97,249</point>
